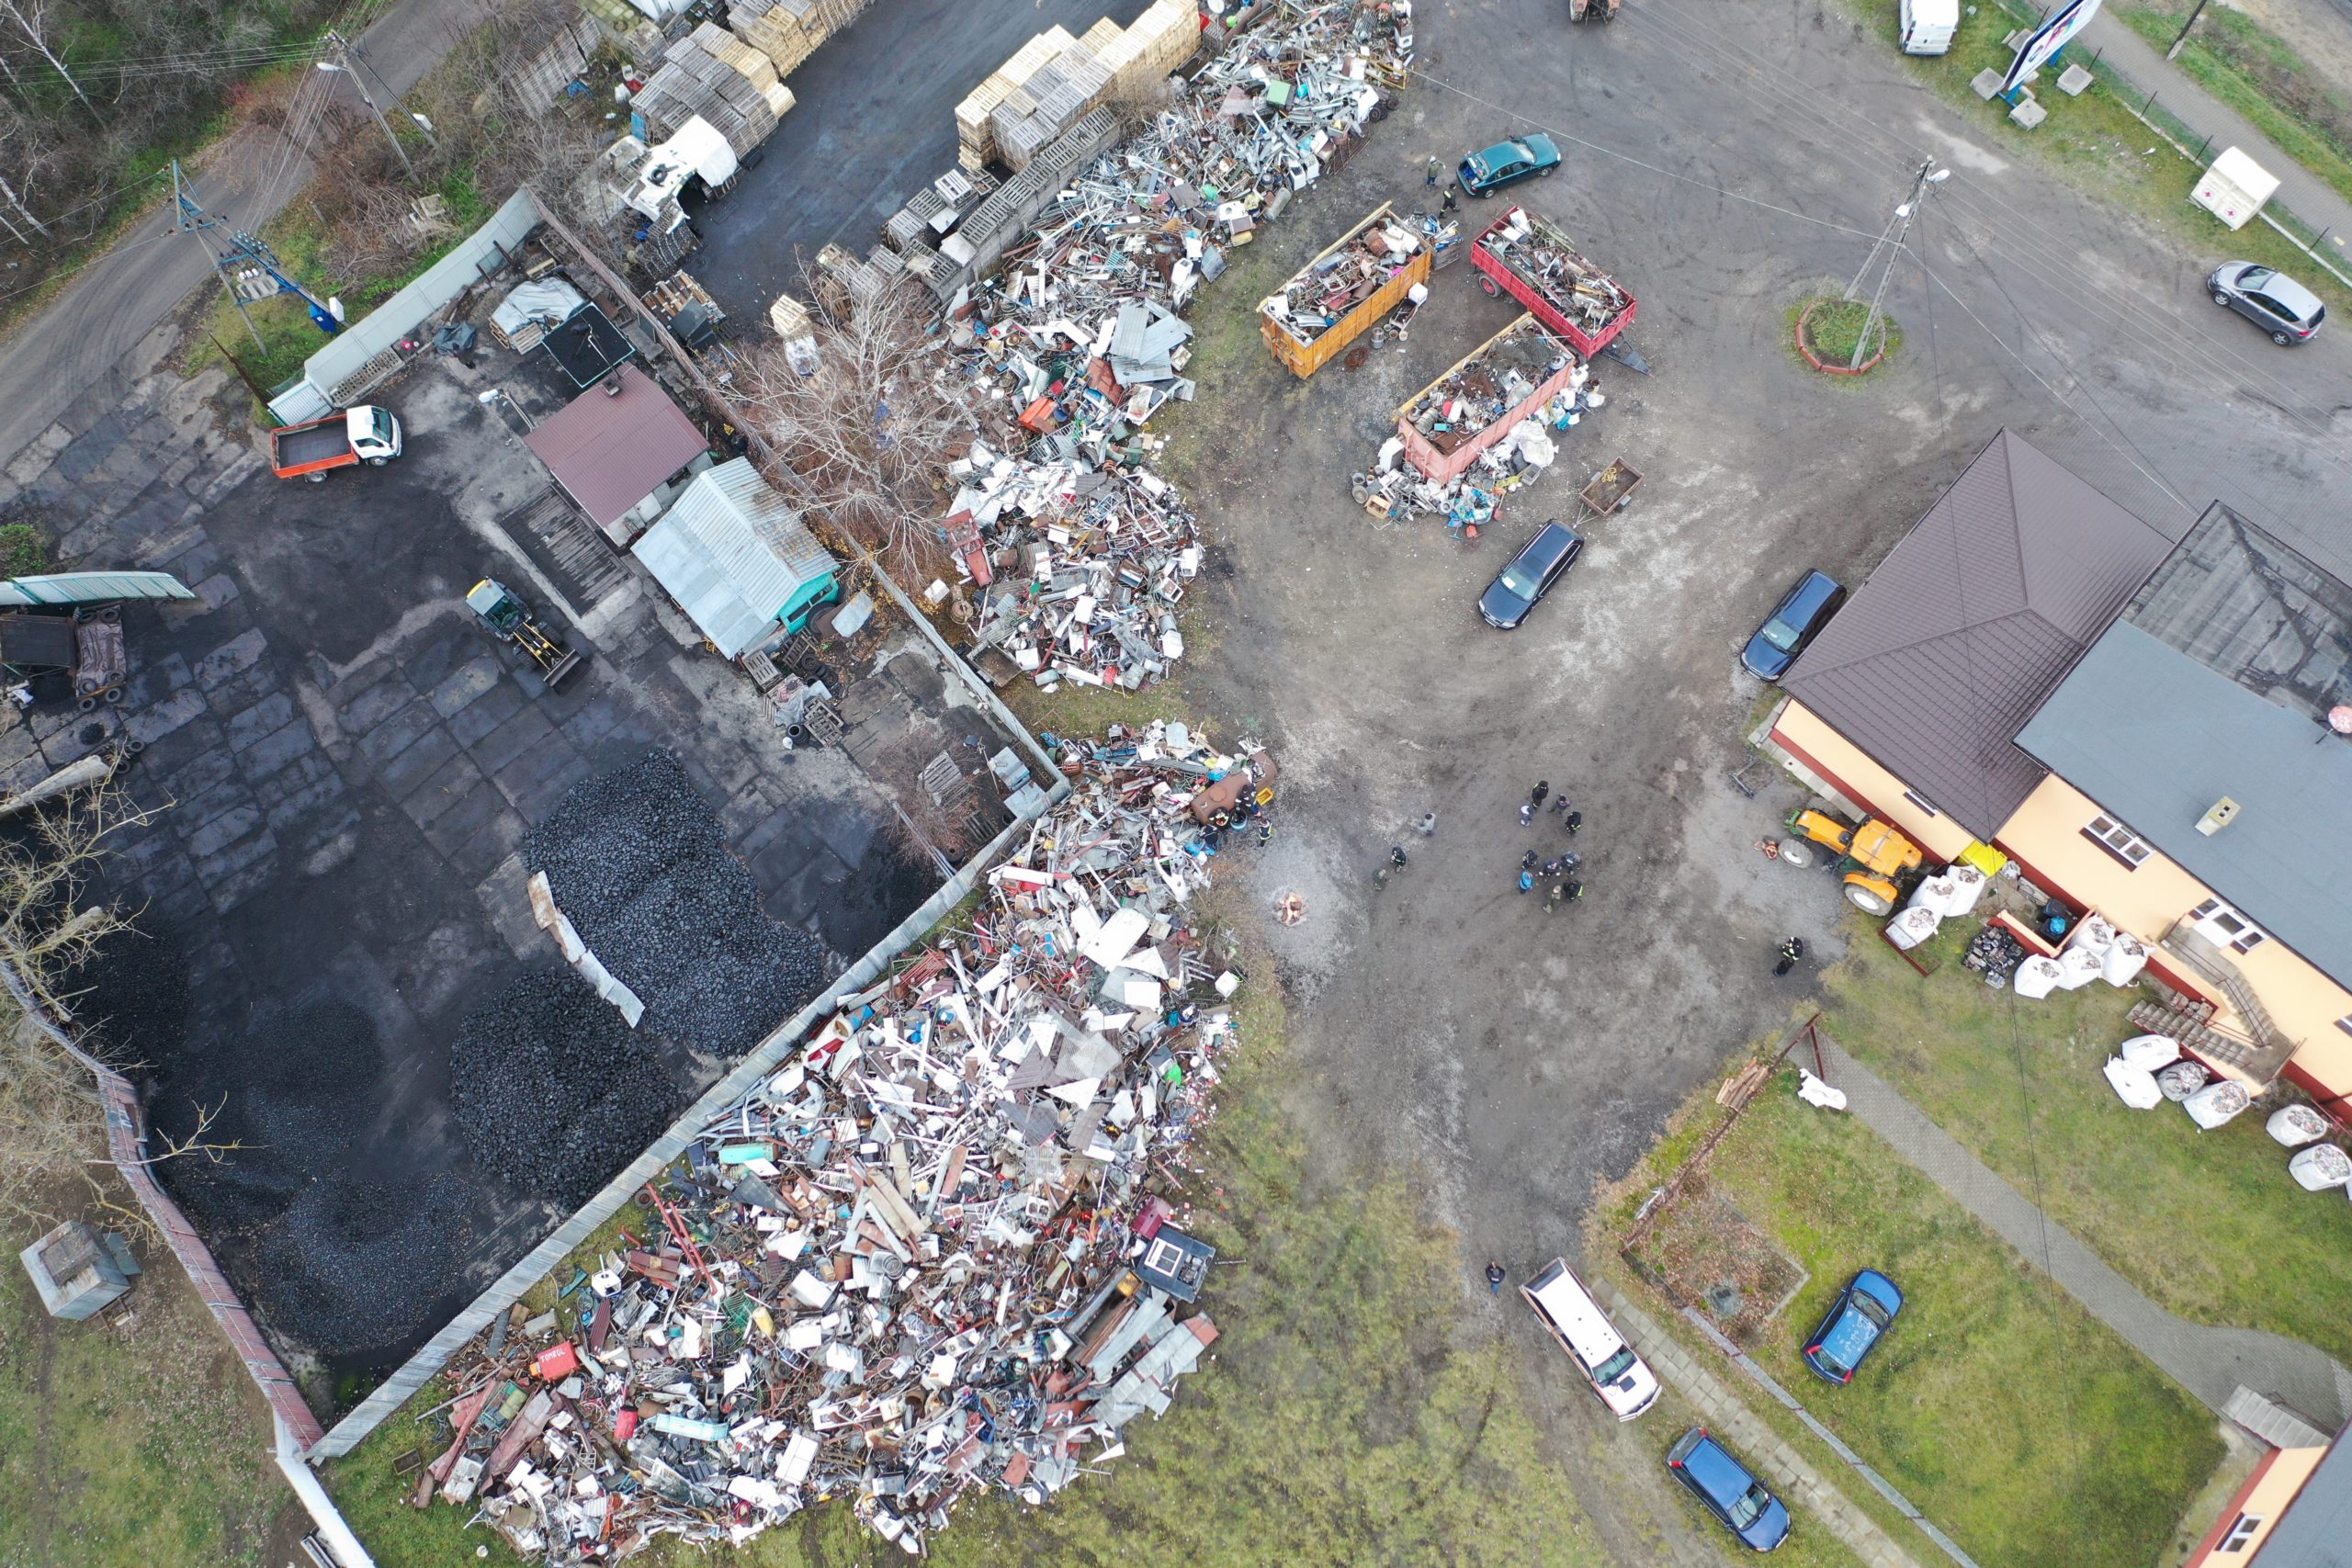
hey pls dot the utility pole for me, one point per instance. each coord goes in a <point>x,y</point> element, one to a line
<point>188,217</point>
<point>337,45</point>
<point>2195,11</point>
<point>1890,240</point>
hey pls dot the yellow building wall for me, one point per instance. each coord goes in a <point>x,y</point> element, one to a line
<point>2266,1499</point>
<point>2046,833</point>
<point>1803,731</point>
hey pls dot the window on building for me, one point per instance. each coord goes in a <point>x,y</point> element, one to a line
<point>2118,840</point>
<point>2242,1530</point>
<point>1913,796</point>
<point>2218,923</point>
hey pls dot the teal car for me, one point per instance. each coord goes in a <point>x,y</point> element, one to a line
<point>1507,162</point>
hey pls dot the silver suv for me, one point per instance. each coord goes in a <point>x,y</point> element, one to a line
<point>2289,313</point>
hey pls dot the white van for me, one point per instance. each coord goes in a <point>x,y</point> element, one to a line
<point>1927,25</point>
<point>1623,1378</point>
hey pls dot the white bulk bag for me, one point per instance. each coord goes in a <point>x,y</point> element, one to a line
<point>2216,1103</point>
<point>2094,934</point>
<point>1913,926</point>
<point>2135,1087</point>
<point>2149,1052</point>
<point>2123,960</point>
<point>1969,883</point>
<point>2077,967</point>
<point>2321,1166</point>
<point>1935,893</point>
<point>2036,978</point>
<point>2295,1125</point>
<point>2182,1079</point>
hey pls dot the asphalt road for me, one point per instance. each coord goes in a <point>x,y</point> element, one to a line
<point>100,332</point>
<point>1447,1027</point>
<point>874,123</point>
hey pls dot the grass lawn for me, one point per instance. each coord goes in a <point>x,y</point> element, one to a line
<point>1340,1418</point>
<point>2095,140</point>
<point>145,1448</point>
<point>2208,1224</point>
<point>2017,1423</point>
<point>2256,72</point>
<point>1836,325</point>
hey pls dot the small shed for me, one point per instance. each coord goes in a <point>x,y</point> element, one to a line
<point>77,1270</point>
<point>610,451</point>
<point>2234,187</point>
<point>738,558</point>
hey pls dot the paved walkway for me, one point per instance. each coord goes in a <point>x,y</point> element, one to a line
<point>2210,1362</point>
<point>2121,52</point>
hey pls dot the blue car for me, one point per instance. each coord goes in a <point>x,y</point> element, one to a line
<point>1795,621</point>
<point>1532,156</point>
<point>1858,1319</point>
<point>1746,1506</point>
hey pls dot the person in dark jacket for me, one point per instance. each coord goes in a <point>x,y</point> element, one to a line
<point>1791,951</point>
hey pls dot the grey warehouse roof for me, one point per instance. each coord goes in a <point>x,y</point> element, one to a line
<point>1970,622</point>
<point>733,553</point>
<point>2316,1530</point>
<point>2156,738</point>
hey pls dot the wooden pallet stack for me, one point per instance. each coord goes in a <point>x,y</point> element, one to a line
<point>695,81</point>
<point>974,132</point>
<point>788,31</point>
<point>1160,39</point>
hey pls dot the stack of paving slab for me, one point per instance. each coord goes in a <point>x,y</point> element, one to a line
<point>936,1253</point>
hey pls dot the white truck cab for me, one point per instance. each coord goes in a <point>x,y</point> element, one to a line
<point>1927,25</point>
<point>375,433</point>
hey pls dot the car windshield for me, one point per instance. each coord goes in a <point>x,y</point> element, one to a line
<point>1830,1363</point>
<point>1526,153</point>
<point>1750,1505</point>
<point>2254,276</point>
<point>383,427</point>
<point>1520,581</point>
<point>1616,1367</point>
<point>1782,635</point>
<point>1868,1306</point>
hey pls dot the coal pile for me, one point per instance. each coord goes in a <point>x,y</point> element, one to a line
<point>639,862</point>
<point>327,1048</point>
<point>360,1264</point>
<point>552,1091</point>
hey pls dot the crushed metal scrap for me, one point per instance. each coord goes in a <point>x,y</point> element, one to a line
<point>937,1252</point>
<point>1074,343</point>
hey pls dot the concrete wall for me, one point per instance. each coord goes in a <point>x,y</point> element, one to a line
<point>347,353</point>
<point>2280,1474</point>
<point>1802,733</point>
<point>764,1059</point>
<point>2046,834</point>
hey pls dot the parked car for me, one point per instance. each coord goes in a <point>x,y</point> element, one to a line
<point>1621,1378</point>
<point>1794,622</point>
<point>1745,1504</point>
<point>1508,162</point>
<point>1860,1316</point>
<point>2289,313</point>
<point>1529,575</point>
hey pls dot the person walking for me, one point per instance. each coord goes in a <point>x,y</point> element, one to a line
<point>1447,202</point>
<point>1791,951</point>
<point>1429,824</point>
<point>1527,861</point>
<point>1573,822</point>
<point>1527,881</point>
<point>1536,796</point>
<point>1396,856</point>
<point>1555,865</point>
<point>1434,170</point>
<point>1560,801</point>
<point>1495,1278</point>
<point>1557,897</point>
<point>1526,815</point>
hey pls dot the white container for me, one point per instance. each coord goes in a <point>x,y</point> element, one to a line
<point>1913,926</point>
<point>2295,1125</point>
<point>2123,960</point>
<point>2150,1052</point>
<point>2135,1087</point>
<point>2036,978</point>
<point>2321,1166</point>
<point>1927,26</point>
<point>2234,187</point>
<point>1935,893</point>
<point>2216,1103</point>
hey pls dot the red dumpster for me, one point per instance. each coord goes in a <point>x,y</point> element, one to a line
<point>1530,260</point>
<point>1506,379</point>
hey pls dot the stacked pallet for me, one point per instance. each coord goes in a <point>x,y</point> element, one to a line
<point>693,80</point>
<point>1162,39</point>
<point>1049,103</point>
<point>788,31</point>
<point>975,134</point>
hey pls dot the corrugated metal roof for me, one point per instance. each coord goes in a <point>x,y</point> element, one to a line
<point>2156,738</point>
<point>733,554</point>
<point>611,451</point>
<point>1968,623</point>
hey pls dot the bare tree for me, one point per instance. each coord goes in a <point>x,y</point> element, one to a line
<point>31,17</point>
<point>872,430</point>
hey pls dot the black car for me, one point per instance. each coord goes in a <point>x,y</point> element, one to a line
<point>2289,313</point>
<point>1730,1491</point>
<point>1795,621</point>
<point>1529,575</point>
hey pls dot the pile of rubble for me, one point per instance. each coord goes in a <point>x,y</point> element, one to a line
<point>934,1253</point>
<point>1081,567</point>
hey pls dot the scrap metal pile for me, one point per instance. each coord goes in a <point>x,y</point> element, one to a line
<point>1462,407</point>
<point>1321,296</point>
<point>934,1253</point>
<point>1070,348</point>
<point>1540,253</point>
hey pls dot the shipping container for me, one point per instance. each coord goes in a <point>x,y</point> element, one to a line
<point>1282,324</point>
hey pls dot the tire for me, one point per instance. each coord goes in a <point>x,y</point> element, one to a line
<point>2221,299</point>
<point>2281,339</point>
<point>1796,852</point>
<point>1547,173</point>
<point>377,462</point>
<point>114,693</point>
<point>87,704</point>
<point>318,479</point>
<point>1869,900</point>
<point>109,616</point>
<point>1489,284</point>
